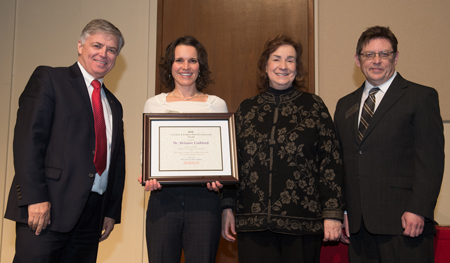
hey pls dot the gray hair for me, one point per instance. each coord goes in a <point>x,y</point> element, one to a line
<point>101,26</point>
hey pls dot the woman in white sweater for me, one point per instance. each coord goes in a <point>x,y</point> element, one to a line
<point>183,217</point>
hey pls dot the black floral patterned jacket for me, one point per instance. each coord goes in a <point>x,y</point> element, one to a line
<point>290,166</point>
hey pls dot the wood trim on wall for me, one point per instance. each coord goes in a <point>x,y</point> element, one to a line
<point>293,24</point>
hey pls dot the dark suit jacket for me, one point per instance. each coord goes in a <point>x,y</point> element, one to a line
<point>399,165</point>
<point>54,141</point>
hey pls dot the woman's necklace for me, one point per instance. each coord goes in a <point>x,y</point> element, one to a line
<point>188,98</point>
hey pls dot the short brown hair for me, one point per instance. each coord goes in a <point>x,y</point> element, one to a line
<point>374,33</point>
<point>165,65</point>
<point>271,46</point>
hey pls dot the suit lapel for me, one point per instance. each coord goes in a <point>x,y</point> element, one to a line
<point>115,118</point>
<point>392,96</point>
<point>355,116</point>
<point>79,85</point>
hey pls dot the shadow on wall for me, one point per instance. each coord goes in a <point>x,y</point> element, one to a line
<point>112,79</point>
<point>358,76</point>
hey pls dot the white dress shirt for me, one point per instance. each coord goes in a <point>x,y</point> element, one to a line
<point>378,96</point>
<point>100,182</point>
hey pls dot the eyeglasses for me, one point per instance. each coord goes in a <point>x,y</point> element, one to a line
<point>384,54</point>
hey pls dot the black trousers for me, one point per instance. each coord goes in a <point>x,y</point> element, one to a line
<point>369,248</point>
<point>78,245</point>
<point>183,220</point>
<point>270,247</point>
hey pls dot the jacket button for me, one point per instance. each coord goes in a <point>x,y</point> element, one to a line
<point>360,152</point>
<point>93,152</point>
<point>91,175</point>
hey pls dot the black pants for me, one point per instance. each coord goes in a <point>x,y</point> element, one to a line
<point>369,248</point>
<point>269,247</point>
<point>178,220</point>
<point>78,245</point>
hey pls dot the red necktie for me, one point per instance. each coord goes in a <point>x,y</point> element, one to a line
<point>100,128</point>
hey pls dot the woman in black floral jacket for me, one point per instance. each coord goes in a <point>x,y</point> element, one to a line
<point>290,194</point>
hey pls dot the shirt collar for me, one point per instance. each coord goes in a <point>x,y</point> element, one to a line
<point>383,87</point>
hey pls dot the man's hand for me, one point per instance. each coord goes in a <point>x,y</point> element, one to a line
<point>345,237</point>
<point>332,230</point>
<point>214,186</point>
<point>39,216</point>
<point>413,224</point>
<point>108,226</point>
<point>228,224</point>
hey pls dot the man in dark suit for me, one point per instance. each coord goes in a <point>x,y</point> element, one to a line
<point>69,162</point>
<point>393,148</point>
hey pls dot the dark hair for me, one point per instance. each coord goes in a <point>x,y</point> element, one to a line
<point>271,46</point>
<point>374,33</point>
<point>101,26</point>
<point>165,65</point>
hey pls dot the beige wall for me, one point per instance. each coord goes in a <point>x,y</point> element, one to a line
<point>46,32</point>
<point>6,54</point>
<point>421,27</point>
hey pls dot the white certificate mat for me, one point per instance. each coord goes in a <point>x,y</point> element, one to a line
<point>189,147</point>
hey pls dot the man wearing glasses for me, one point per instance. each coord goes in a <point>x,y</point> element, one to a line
<point>391,133</point>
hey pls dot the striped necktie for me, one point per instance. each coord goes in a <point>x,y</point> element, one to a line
<point>367,112</point>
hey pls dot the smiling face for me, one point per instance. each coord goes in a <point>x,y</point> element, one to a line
<point>377,70</point>
<point>185,67</point>
<point>281,67</point>
<point>98,54</point>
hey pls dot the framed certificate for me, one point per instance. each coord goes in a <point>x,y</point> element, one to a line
<point>189,148</point>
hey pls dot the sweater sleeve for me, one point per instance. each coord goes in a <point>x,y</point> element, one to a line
<point>331,169</point>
